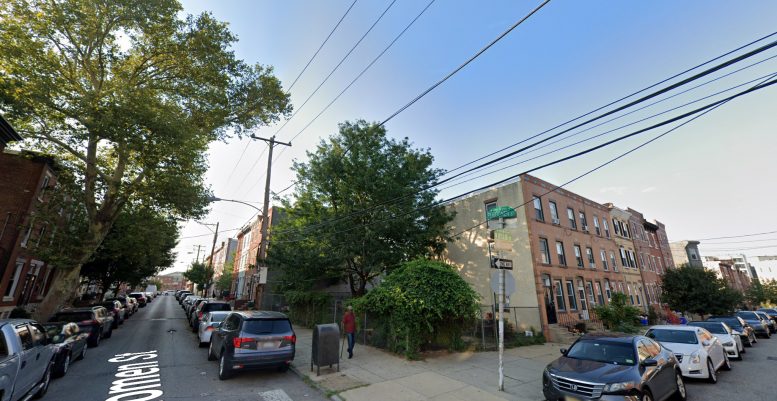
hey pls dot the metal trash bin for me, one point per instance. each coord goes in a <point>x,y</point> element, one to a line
<point>326,347</point>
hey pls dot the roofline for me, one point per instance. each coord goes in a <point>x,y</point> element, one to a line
<point>7,132</point>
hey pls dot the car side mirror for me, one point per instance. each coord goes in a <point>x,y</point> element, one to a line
<point>564,351</point>
<point>706,343</point>
<point>650,362</point>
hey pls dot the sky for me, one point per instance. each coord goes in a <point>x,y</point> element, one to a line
<point>713,177</point>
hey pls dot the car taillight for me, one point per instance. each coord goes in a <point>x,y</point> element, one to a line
<point>199,315</point>
<point>292,339</point>
<point>244,342</point>
<point>210,328</point>
<point>85,322</point>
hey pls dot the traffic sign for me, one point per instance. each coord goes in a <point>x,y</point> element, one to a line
<point>506,264</point>
<point>509,283</point>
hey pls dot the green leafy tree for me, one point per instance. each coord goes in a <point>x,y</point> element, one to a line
<point>200,274</point>
<point>762,293</point>
<point>224,282</point>
<point>127,94</point>
<point>697,290</point>
<point>139,245</point>
<point>619,314</point>
<point>363,204</point>
<point>421,301</point>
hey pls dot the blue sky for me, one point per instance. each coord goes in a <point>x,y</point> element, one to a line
<point>713,177</point>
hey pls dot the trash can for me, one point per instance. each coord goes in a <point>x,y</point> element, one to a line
<point>326,347</point>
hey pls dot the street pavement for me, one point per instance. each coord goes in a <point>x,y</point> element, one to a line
<point>752,379</point>
<point>185,373</point>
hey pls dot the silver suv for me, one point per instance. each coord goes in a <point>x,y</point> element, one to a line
<point>252,339</point>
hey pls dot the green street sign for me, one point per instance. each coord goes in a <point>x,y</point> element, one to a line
<point>501,212</point>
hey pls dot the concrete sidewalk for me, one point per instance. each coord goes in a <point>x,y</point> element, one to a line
<point>376,375</point>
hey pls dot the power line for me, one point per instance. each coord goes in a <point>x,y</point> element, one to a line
<point>321,47</point>
<point>742,249</point>
<point>374,60</point>
<point>737,242</point>
<point>737,236</point>
<point>336,66</point>
<point>603,115</point>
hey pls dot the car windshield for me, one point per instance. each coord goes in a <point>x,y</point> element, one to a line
<point>748,315</point>
<point>714,328</point>
<point>267,326</point>
<point>72,317</point>
<point>732,322</point>
<point>217,307</point>
<point>772,311</point>
<point>673,336</point>
<point>603,351</point>
<point>218,317</point>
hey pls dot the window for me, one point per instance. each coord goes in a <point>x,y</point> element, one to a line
<point>599,294</point>
<point>607,289</point>
<point>659,267</point>
<point>571,216</point>
<point>642,260</point>
<point>544,251</point>
<point>596,225</point>
<point>639,291</point>
<point>578,256</point>
<point>38,338</point>
<point>491,223</point>
<point>43,187</point>
<point>581,295</point>
<point>232,322</point>
<point>603,255</point>
<point>41,232</point>
<point>571,295</point>
<point>590,289</point>
<point>538,213</point>
<point>553,212</point>
<point>11,288</point>
<point>624,261</point>
<point>614,261</point>
<point>25,336</point>
<point>489,206</point>
<point>583,221</point>
<point>26,237</point>
<point>559,295</point>
<point>591,261</point>
<point>562,259</point>
<point>606,228</point>
<point>615,227</point>
<point>631,296</point>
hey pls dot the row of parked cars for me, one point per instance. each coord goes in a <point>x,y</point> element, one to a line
<point>653,366</point>
<point>32,353</point>
<point>239,340</point>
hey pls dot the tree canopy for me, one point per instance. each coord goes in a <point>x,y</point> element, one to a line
<point>127,94</point>
<point>363,205</point>
<point>200,274</point>
<point>697,290</point>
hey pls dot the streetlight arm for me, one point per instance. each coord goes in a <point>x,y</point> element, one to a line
<point>217,199</point>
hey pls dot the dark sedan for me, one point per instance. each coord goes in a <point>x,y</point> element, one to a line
<point>69,344</point>
<point>745,331</point>
<point>756,322</point>
<point>611,367</point>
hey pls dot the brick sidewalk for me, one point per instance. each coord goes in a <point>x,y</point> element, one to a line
<point>376,375</point>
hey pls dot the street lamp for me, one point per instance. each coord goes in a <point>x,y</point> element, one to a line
<point>212,199</point>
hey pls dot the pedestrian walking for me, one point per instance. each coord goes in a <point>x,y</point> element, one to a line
<point>349,327</point>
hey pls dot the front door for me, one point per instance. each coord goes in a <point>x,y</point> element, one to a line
<point>550,307</point>
<point>583,303</point>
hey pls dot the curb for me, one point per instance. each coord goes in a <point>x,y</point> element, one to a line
<point>313,384</point>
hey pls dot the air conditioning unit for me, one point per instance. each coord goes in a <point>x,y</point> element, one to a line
<point>556,221</point>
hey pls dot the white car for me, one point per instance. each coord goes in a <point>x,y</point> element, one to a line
<point>730,339</point>
<point>700,354</point>
<point>208,324</point>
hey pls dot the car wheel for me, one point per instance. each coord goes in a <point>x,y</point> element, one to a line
<point>96,341</point>
<point>283,368</point>
<point>110,333</point>
<point>211,356</point>
<point>45,380</point>
<point>755,340</point>
<point>65,365</point>
<point>224,371</point>
<point>646,396</point>
<point>83,353</point>
<point>726,362</point>
<point>712,376</point>
<point>680,394</point>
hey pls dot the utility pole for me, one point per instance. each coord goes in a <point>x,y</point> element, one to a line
<point>262,252</point>
<point>198,254</point>
<point>212,249</point>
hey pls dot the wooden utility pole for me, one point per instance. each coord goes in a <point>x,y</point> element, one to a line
<point>212,249</point>
<point>261,255</point>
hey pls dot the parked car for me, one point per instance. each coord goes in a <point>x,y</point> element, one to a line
<point>252,339</point>
<point>140,297</point>
<point>191,310</point>
<point>204,308</point>
<point>613,367</point>
<point>745,331</point>
<point>700,354</point>
<point>116,310</point>
<point>731,342</point>
<point>25,360</point>
<point>771,312</point>
<point>768,320</point>
<point>188,302</point>
<point>208,323</point>
<point>124,304</point>
<point>69,344</point>
<point>132,303</point>
<point>187,298</point>
<point>149,295</point>
<point>756,322</point>
<point>181,295</point>
<point>94,320</point>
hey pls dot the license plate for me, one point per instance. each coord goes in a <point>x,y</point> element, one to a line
<point>269,344</point>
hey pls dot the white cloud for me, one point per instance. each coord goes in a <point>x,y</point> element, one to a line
<point>648,189</point>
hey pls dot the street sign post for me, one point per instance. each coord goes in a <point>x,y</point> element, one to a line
<point>504,264</point>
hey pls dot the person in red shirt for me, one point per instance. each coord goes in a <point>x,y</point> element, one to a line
<point>349,327</point>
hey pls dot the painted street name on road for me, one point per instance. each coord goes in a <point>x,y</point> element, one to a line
<point>136,380</point>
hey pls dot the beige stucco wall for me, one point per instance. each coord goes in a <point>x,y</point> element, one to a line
<point>469,251</point>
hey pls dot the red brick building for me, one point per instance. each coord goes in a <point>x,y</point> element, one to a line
<point>652,248</point>
<point>25,181</point>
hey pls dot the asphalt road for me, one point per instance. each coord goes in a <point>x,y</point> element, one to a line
<point>752,379</point>
<point>184,371</point>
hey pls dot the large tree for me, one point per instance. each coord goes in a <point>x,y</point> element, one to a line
<point>128,94</point>
<point>363,204</point>
<point>139,245</point>
<point>697,290</point>
<point>200,274</point>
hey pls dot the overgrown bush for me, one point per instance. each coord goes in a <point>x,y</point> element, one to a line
<point>308,308</point>
<point>421,304</point>
<point>618,315</point>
